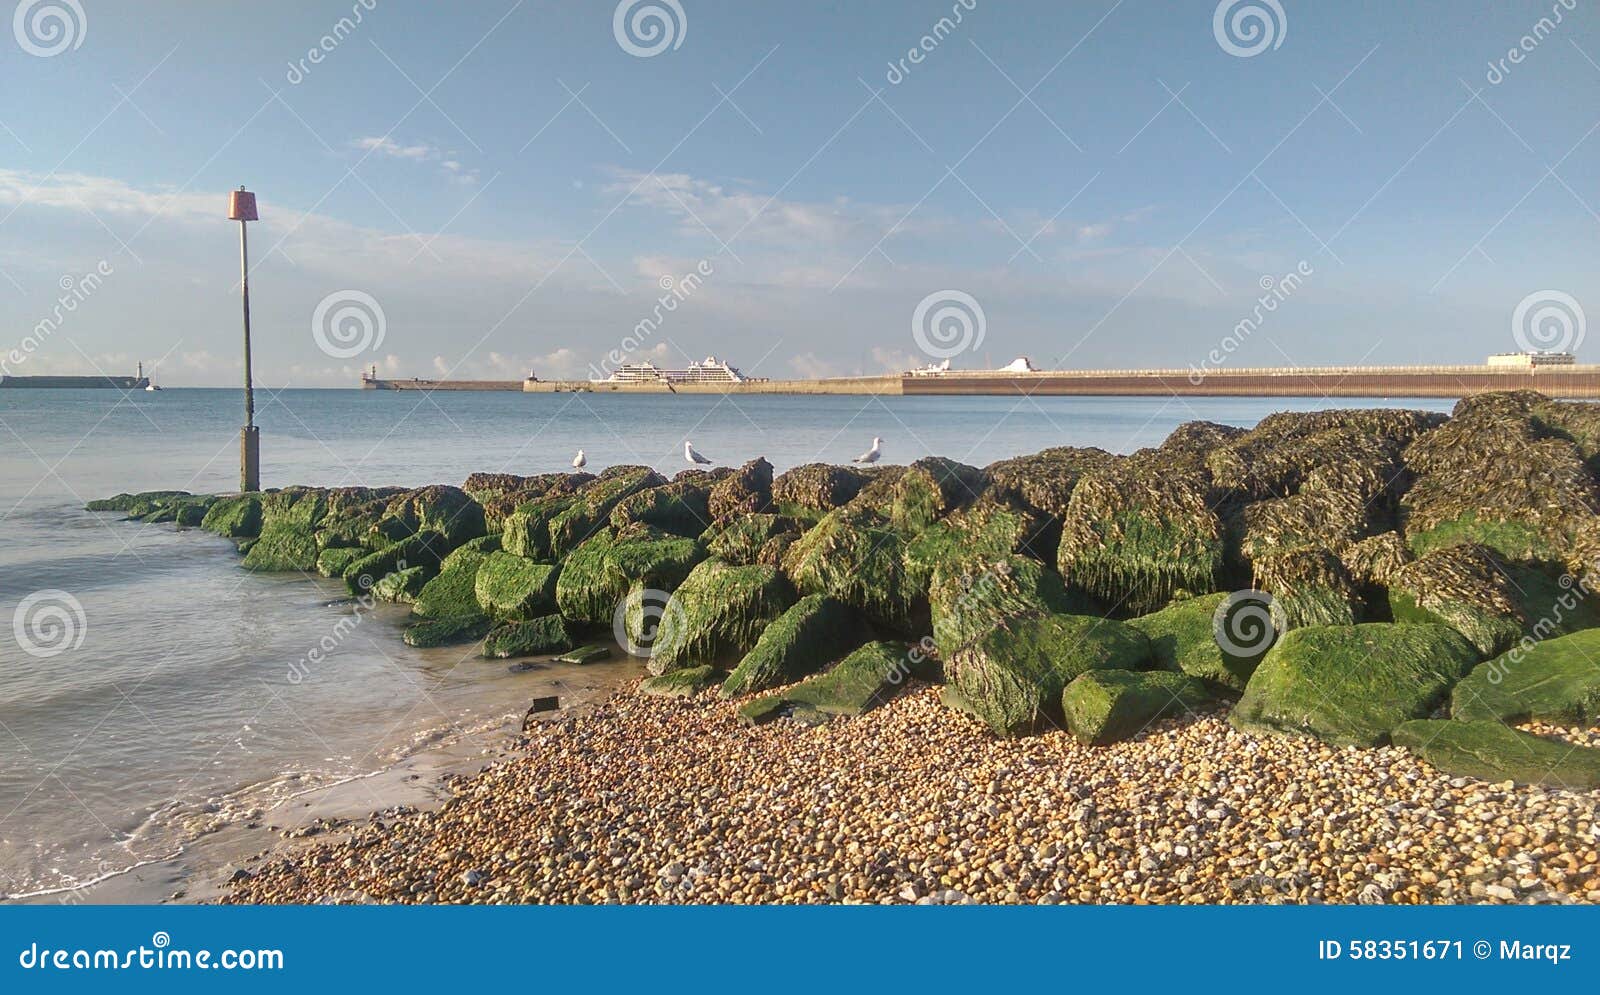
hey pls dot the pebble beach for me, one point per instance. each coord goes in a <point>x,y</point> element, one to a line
<point>661,800</point>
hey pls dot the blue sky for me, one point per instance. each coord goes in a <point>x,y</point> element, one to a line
<point>512,186</point>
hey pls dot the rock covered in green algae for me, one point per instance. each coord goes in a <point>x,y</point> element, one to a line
<point>1465,587</point>
<point>855,555</point>
<point>426,549</point>
<point>446,631</point>
<point>526,531</point>
<point>746,491</point>
<point>1183,638</point>
<point>512,588</point>
<point>747,539</point>
<point>453,593</point>
<point>1554,680</point>
<point>714,617</point>
<point>680,683</point>
<point>500,494</point>
<point>682,507</point>
<point>540,636</point>
<point>968,599</point>
<point>287,540</point>
<point>1494,752</point>
<point>591,507</point>
<point>135,505</point>
<point>590,653</point>
<point>863,680</point>
<point>1310,585</point>
<point>401,586</point>
<point>814,632</point>
<point>186,512</point>
<point>1351,685</point>
<point>235,517</point>
<point>335,561</point>
<point>931,488</point>
<point>985,531</point>
<point>1139,531</point>
<point>1012,676</point>
<point>811,490</point>
<point>449,511</point>
<point>597,576</point>
<point>1105,706</point>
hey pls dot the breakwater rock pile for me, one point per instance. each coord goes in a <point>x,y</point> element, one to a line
<point>1363,578</point>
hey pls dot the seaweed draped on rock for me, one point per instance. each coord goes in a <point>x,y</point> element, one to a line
<point>600,573</point>
<point>1141,531</point>
<point>715,616</point>
<point>858,557</point>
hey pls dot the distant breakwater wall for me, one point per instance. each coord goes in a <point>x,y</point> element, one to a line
<point>1570,382</point>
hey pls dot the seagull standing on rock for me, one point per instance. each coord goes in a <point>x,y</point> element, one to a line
<point>580,461</point>
<point>871,455</point>
<point>690,456</point>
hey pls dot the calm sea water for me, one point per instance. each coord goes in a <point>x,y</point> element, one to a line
<point>168,712</point>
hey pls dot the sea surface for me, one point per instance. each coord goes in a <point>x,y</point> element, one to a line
<point>157,706</point>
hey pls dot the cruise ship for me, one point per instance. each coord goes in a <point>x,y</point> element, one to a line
<point>709,370</point>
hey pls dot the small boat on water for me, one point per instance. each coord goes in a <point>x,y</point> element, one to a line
<point>151,388</point>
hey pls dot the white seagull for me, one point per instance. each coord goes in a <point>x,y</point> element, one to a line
<point>580,461</point>
<point>690,456</point>
<point>871,455</point>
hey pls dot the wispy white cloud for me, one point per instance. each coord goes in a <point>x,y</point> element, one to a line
<point>385,146</point>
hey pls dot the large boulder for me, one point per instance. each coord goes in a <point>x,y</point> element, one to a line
<point>1554,680</point>
<point>289,520</point>
<point>969,599</point>
<point>1104,706</point>
<point>401,586</point>
<point>1352,685</point>
<point>1045,480</point>
<point>453,593</point>
<point>746,491</point>
<point>334,561</point>
<point>861,681</point>
<point>812,490</point>
<point>931,488</point>
<point>512,588</point>
<point>425,549</point>
<point>814,632</point>
<point>135,505</point>
<point>526,531</point>
<point>1465,587</point>
<point>433,632</point>
<point>237,517</point>
<point>746,539</point>
<point>715,617</point>
<point>1183,637</point>
<point>1495,752</point>
<point>1012,676</point>
<point>599,574</point>
<point>1310,585</point>
<point>591,507</point>
<point>859,558</point>
<point>1358,447</point>
<point>682,507</point>
<point>500,494</point>
<point>1140,532</point>
<point>449,511</point>
<point>680,683</point>
<point>542,636</point>
<point>987,530</point>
